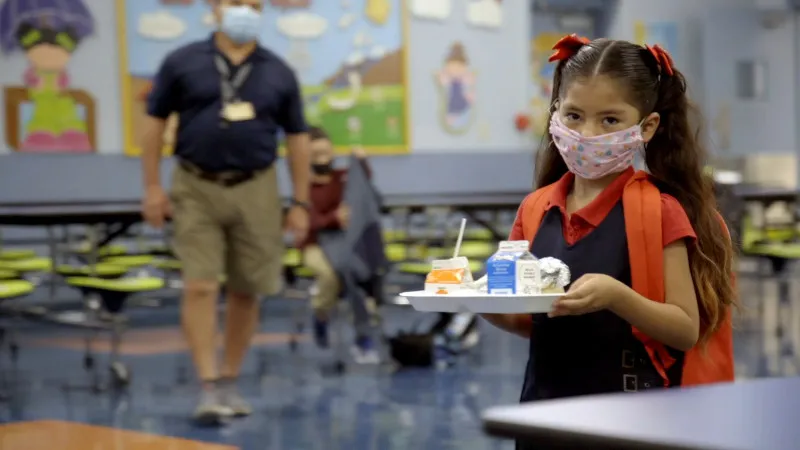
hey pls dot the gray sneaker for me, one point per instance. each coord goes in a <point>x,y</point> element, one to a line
<point>211,411</point>
<point>231,399</point>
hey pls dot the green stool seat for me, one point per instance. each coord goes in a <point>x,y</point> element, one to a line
<point>422,268</point>
<point>28,265</point>
<point>106,250</point>
<point>303,272</point>
<point>396,252</point>
<point>16,254</point>
<point>394,235</point>
<point>130,261</point>
<point>292,258</point>
<point>167,264</point>
<point>100,270</point>
<point>15,288</point>
<point>114,292</point>
<point>8,274</point>
<point>789,250</point>
<point>129,284</point>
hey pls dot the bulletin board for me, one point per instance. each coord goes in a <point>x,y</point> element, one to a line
<point>350,56</point>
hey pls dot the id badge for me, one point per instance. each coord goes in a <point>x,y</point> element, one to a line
<point>238,111</point>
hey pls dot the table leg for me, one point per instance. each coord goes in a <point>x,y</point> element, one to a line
<point>784,331</point>
<point>52,245</point>
<point>92,238</point>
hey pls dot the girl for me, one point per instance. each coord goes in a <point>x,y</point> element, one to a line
<point>622,326</point>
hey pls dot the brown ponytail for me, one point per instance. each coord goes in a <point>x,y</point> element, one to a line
<point>676,159</point>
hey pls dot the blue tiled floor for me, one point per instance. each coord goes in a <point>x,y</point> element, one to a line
<point>297,406</point>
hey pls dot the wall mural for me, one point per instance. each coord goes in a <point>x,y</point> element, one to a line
<point>456,82</point>
<point>348,55</point>
<point>45,112</point>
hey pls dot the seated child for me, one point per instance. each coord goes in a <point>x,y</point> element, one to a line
<point>328,212</point>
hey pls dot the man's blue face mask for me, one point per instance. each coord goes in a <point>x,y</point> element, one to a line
<point>241,23</point>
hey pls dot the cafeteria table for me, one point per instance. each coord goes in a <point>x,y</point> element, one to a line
<point>751,415</point>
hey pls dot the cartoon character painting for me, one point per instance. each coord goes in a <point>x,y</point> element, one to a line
<point>48,32</point>
<point>456,81</point>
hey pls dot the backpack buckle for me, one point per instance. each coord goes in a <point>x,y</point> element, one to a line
<point>630,383</point>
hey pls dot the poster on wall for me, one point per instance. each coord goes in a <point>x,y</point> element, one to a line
<point>456,85</point>
<point>664,34</point>
<point>485,13</point>
<point>348,56</point>
<point>44,111</point>
<point>547,30</point>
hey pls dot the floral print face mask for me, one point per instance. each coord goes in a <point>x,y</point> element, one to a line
<point>597,156</point>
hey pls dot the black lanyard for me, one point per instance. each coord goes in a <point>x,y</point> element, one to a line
<point>230,85</point>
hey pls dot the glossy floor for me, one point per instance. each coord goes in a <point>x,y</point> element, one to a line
<point>298,404</point>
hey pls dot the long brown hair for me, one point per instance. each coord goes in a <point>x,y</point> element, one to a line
<point>675,158</point>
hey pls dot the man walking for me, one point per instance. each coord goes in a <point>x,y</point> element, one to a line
<point>232,97</point>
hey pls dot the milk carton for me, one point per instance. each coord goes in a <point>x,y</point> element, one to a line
<point>448,275</point>
<point>513,270</point>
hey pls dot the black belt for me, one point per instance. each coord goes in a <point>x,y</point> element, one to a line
<point>228,178</point>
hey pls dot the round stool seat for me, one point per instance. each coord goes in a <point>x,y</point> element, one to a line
<point>8,274</point>
<point>28,265</point>
<point>303,272</point>
<point>15,288</point>
<point>130,261</point>
<point>122,285</point>
<point>292,258</point>
<point>106,250</point>
<point>16,254</point>
<point>101,270</point>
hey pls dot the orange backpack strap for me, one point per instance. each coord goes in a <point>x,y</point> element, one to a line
<point>531,211</point>
<point>702,364</point>
<point>641,201</point>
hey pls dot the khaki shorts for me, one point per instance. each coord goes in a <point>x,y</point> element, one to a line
<point>233,231</point>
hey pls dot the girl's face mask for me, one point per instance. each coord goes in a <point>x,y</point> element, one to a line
<point>597,156</point>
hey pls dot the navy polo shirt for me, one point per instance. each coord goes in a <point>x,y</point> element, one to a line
<point>188,83</point>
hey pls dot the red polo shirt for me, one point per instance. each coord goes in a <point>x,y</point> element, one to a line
<point>675,223</point>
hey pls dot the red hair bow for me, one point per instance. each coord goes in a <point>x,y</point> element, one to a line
<point>662,57</point>
<point>568,46</point>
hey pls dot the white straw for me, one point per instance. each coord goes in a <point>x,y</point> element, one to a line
<point>460,238</point>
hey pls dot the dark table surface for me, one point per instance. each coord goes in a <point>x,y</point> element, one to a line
<point>757,415</point>
<point>65,213</point>
<point>99,211</point>
<point>766,194</point>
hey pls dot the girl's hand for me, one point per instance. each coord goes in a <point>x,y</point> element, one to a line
<point>588,294</point>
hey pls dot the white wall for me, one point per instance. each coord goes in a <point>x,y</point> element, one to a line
<point>500,58</point>
<point>701,20</point>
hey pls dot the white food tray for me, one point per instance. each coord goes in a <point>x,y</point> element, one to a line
<point>480,302</point>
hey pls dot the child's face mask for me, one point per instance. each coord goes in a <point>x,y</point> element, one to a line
<point>597,156</point>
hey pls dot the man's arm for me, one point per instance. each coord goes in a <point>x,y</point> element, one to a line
<point>299,161</point>
<point>293,123</point>
<point>161,102</point>
<point>152,143</point>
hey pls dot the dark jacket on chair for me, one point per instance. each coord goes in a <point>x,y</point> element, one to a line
<point>357,253</point>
